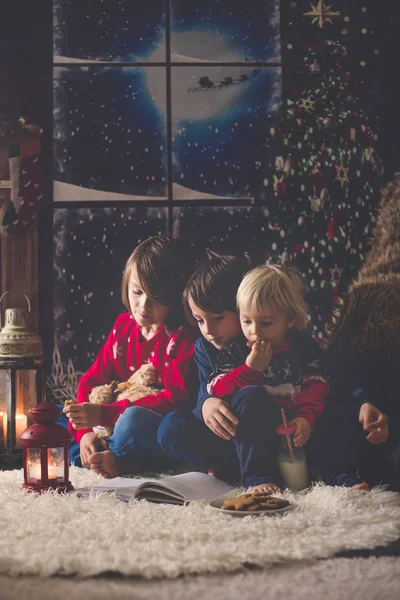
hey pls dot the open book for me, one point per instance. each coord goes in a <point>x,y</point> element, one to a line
<point>176,489</point>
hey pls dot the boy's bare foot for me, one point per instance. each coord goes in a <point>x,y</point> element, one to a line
<point>109,465</point>
<point>349,480</point>
<point>361,486</point>
<point>265,488</point>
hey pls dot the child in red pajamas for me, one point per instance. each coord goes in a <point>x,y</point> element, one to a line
<point>154,330</point>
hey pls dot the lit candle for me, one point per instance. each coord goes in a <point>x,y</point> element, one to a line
<point>52,471</point>
<point>4,420</point>
<point>21,423</point>
<point>2,437</point>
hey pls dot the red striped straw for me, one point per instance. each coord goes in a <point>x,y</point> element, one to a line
<point>288,440</point>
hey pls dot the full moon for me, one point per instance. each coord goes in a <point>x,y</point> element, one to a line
<point>189,101</point>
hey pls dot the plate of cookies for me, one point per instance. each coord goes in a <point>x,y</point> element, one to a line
<point>255,503</point>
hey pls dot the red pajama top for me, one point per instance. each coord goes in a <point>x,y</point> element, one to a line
<point>124,352</point>
<point>296,377</point>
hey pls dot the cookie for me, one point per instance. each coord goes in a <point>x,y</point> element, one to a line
<point>273,503</point>
<point>240,503</point>
<point>254,502</point>
<point>256,495</point>
<point>68,402</point>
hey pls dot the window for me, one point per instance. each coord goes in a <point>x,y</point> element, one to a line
<point>165,101</point>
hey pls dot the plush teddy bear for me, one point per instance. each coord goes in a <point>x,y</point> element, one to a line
<point>142,383</point>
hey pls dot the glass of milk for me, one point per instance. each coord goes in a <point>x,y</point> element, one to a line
<point>291,460</point>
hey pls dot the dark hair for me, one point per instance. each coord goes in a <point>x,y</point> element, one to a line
<point>163,266</point>
<point>213,286</point>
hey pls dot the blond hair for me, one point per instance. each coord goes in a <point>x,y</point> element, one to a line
<point>272,285</point>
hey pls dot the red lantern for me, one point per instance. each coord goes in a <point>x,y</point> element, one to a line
<point>45,444</point>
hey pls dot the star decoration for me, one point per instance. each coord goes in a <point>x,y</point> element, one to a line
<point>336,275</point>
<point>342,174</point>
<point>307,104</point>
<point>321,13</point>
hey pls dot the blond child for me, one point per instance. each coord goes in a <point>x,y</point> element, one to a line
<point>276,353</point>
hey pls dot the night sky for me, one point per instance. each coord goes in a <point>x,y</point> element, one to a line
<point>123,31</point>
<point>246,30</point>
<point>218,145</point>
<point>109,128</point>
<point>108,132</point>
<point>108,30</point>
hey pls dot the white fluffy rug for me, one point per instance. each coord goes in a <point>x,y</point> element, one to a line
<point>334,579</point>
<point>54,534</point>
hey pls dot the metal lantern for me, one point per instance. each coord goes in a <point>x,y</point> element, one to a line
<point>22,379</point>
<point>45,460</point>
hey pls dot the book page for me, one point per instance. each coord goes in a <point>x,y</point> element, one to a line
<point>190,486</point>
<point>183,487</point>
<point>159,497</point>
<point>119,485</point>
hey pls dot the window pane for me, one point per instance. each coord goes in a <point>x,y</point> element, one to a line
<point>55,463</point>
<point>225,31</point>
<point>109,30</point>
<point>109,133</point>
<point>226,230</point>
<point>34,470</point>
<point>219,129</point>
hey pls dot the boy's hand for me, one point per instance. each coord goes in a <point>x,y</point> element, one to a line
<point>219,418</point>
<point>375,422</point>
<point>84,415</point>
<point>260,355</point>
<point>90,443</point>
<point>303,431</point>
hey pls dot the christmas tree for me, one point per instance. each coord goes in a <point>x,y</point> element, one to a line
<point>324,181</point>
